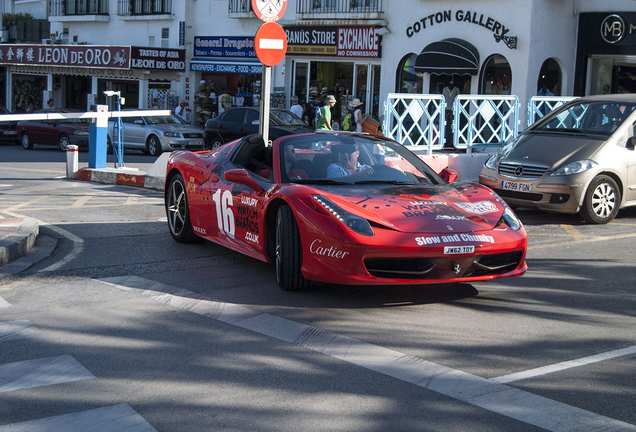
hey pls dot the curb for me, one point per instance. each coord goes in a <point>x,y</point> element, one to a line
<point>17,244</point>
<point>120,177</point>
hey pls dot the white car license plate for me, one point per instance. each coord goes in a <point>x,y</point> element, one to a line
<point>454,250</point>
<point>195,142</point>
<point>516,186</point>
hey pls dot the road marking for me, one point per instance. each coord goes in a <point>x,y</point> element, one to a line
<point>41,372</point>
<point>573,232</point>
<point>564,365</point>
<point>81,201</point>
<point>4,303</point>
<point>13,330</point>
<point>499,398</point>
<point>108,419</point>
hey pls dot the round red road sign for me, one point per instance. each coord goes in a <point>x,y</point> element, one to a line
<point>270,44</point>
<point>269,10</point>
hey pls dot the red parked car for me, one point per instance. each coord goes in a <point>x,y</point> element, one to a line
<point>57,132</point>
<point>305,204</point>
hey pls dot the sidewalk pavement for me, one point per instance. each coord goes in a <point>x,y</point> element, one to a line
<point>17,236</point>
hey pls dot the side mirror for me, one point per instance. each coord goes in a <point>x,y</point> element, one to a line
<point>631,143</point>
<point>241,176</point>
<point>448,175</point>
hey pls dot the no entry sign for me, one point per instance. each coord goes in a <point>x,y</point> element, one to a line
<point>269,10</point>
<point>270,44</point>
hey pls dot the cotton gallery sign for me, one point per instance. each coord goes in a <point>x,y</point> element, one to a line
<point>66,55</point>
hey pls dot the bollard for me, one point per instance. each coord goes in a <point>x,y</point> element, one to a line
<point>71,161</point>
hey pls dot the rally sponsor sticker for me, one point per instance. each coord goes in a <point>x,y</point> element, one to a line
<point>482,207</point>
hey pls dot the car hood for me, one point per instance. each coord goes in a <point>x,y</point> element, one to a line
<point>553,149</point>
<point>461,207</point>
<point>290,130</point>
<point>177,128</point>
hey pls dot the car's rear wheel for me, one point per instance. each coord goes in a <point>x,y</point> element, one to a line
<point>26,142</point>
<point>154,146</point>
<point>178,211</point>
<point>602,200</point>
<point>64,142</point>
<point>289,253</point>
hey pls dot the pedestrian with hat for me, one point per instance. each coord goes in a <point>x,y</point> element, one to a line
<point>356,105</point>
<point>324,114</point>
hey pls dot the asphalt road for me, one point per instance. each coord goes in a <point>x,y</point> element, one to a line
<point>108,323</point>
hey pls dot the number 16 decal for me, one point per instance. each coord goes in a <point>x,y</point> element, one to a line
<point>224,214</point>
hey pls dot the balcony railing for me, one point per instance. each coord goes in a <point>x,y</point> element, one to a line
<point>78,7</point>
<point>239,6</point>
<point>339,6</point>
<point>144,7</point>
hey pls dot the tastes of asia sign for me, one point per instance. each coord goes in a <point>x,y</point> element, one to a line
<point>333,41</point>
<point>157,58</point>
<point>66,55</point>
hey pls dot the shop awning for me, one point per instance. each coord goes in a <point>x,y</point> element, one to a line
<point>226,66</point>
<point>448,57</point>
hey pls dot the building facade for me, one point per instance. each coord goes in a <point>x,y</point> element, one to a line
<point>157,52</point>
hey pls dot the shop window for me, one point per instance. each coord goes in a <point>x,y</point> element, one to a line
<point>165,37</point>
<point>496,76</point>
<point>408,81</point>
<point>550,79</point>
<point>612,75</point>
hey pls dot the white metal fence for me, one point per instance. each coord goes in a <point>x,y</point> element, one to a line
<point>423,120</point>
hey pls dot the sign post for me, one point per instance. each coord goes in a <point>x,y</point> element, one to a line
<point>270,44</point>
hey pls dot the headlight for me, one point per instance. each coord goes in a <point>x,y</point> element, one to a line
<point>575,167</point>
<point>172,134</point>
<point>508,217</point>
<point>80,132</point>
<point>491,163</point>
<point>356,223</point>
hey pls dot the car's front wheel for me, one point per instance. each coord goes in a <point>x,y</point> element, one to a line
<point>289,253</point>
<point>64,142</point>
<point>178,211</point>
<point>154,146</point>
<point>602,201</point>
<point>26,142</point>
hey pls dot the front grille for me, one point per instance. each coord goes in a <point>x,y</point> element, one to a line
<point>443,267</point>
<point>519,195</point>
<point>496,263</point>
<point>193,135</point>
<point>399,268</point>
<point>516,170</point>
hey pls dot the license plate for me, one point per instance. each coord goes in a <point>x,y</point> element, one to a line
<point>515,186</point>
<point>454,250</point>
<point>10,132</point>
<point>195,142</point>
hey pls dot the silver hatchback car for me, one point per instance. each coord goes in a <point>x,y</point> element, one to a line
<point>580,158</point>
<point>156,134</point>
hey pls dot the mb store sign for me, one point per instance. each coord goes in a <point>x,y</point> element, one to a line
<point>614,29</point>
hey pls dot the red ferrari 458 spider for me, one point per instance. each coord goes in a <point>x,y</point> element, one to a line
<point>342,208</point>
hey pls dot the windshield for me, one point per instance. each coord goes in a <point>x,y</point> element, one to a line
<point>348,159</point>
<point>586,118</point>
<point>163,120</point>
<point>285,118</point>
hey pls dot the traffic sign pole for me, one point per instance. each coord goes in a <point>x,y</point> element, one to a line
<point>263,125</point>
<point>270,45</point>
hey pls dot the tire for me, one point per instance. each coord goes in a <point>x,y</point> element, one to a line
<point>64,142</point>
<point>289,253</point>
<point>213,144</point>
<point>154,146</point>
<point>26,142</point>
<point>178,211</point>
<point>602,201</point>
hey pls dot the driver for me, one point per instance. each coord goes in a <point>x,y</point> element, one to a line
<point>348,165</point>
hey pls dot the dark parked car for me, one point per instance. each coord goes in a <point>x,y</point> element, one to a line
<point>8,129</point>
<point>239,122</point>
<point>58,132</point>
